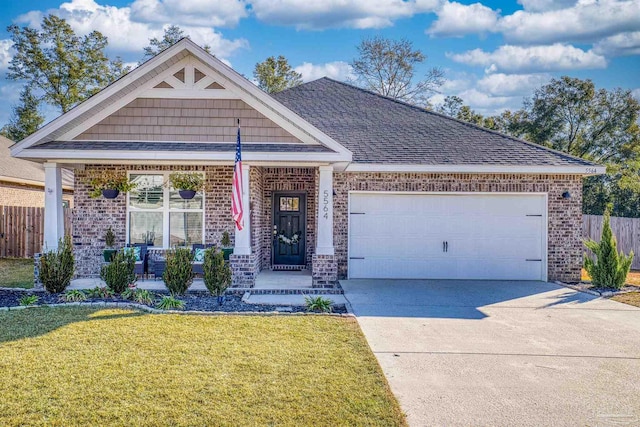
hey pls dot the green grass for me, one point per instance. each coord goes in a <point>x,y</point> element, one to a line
<point>16,273</point>
<point>80,366</point>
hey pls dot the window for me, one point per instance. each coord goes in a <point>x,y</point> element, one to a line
<point>158,216</point>
<point>291,204</point>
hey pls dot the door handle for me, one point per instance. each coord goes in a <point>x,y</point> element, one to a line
<point>443,246</point>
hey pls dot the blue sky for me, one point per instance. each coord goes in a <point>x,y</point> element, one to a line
<point>494,53</point>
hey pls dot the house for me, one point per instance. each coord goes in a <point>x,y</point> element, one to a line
<point>22,181</point>
<point>336,179</point>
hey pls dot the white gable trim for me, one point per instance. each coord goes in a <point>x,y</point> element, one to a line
<point>248,92</point>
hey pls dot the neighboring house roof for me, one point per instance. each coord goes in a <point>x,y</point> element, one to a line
<point>381,130</point>
<point>24,171</point>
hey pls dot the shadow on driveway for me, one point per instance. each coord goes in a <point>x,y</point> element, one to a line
<point>451,299</point>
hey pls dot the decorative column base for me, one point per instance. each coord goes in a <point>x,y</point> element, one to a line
<point>37,284</point>
<point>324,271</point>
<point>244,269</point>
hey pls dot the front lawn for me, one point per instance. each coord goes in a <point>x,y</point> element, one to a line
<point>631,298</point>
<point>16,273</point>
<point>81,366</point>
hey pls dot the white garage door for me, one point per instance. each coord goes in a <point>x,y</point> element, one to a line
<point>447,236</point>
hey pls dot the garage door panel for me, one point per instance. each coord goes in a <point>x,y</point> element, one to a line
<point>489,236</point>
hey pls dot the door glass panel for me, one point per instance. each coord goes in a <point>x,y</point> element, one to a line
<point>289,204</point>
<point>149,192</point>
<point>145,227</point>
<point>185,228</point>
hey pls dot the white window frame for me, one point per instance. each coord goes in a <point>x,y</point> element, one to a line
<point>165,210</point>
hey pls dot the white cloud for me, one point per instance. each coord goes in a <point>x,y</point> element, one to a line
<point>511,84</point>
<point>544,5</point>
<point>518,59</point>
<point>5,53</point>
<point>636,94</point>
<point>587,21</point>
<point>619,45</point>
<point>203,13</point>
<point>337,70</point>
<point>321,14</point>
<point>456,20</point>
<point>124,33</point>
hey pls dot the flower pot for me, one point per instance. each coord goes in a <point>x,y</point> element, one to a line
<point>110,193</point>
<point>187,194</point>
<point>108,254</point>
<point>226,252</point>
<point>220,299</point>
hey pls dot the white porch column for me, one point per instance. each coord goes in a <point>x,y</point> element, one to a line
<point>53,219</point>
<point>243,237</point>
<point>324,245</point>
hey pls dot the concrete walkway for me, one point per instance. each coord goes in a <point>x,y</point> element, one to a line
<point>502,353</point>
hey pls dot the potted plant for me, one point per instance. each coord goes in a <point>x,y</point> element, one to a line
<point>109,184</point>
<point>225,244</point>
<point>187,184</point>
<point>109,240</point>
<point>216,273</point>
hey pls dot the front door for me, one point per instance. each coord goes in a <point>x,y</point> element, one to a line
<point>289,228</point>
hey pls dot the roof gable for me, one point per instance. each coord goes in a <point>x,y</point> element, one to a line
<point>186,72</point>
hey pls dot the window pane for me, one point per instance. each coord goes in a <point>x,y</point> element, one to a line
<point>185,228</point>
<point>289,204</point>
<point>177,202</point>
<point>148,194</point>
<point>145,227</point>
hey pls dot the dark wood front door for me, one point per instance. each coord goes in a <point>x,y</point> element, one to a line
<point>289,228</point>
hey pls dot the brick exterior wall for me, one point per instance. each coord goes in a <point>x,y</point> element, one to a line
<point>92,217</point>
<point>302,180</point>
<point>13,194</point>
<point>564,215</point>
<point>324,271</point>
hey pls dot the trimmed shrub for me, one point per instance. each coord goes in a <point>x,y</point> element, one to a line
<point>119,273</point>
<point>57,267</point>
<point>178,273</point>
<point>216,273</point>
<point>610,268</point>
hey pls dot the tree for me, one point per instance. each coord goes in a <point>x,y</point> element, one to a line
<point>388,67</point>
<point>66,68</point>
<point>570,115</point>
<point>453,106</point>
<point>26,119</point>
<point>172,35</point>
<point>610,268</point>
<point>274,75</point>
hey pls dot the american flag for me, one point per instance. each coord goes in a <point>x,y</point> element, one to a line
<point>236,198</point>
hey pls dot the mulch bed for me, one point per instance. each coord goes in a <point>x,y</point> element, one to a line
<point>605,292</point>
<point>194,301</point>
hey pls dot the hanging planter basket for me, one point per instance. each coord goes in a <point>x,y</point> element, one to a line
<point>187,194</point>
<point>110,193</point>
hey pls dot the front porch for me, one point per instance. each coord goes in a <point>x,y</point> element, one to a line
<point>288,223</point>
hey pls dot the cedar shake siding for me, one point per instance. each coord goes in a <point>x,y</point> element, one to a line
<point>212,120</point>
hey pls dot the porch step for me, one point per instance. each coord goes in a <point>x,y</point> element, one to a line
<point>301,291</point>
<point>283,267</point>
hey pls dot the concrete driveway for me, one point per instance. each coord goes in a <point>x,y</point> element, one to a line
<point>502,353</point>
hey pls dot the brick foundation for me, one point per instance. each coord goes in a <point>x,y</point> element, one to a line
<point>324,271</point>
<point>244,269</point>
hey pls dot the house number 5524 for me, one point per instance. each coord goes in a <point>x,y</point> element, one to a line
<point>325,204</point>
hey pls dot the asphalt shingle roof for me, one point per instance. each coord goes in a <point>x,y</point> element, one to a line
<point>378,129</point>
<point>11,167</point>
<point>180,146</point>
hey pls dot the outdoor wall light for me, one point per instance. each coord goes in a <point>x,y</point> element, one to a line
<point>566,195</point>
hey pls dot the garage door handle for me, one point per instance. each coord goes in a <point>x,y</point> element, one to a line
<point>445,246</point>
<point>356,213</point>
<point>356,257</point>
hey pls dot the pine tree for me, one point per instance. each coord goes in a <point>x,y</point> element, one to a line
<point>26,118</point>
<point>610,268</point>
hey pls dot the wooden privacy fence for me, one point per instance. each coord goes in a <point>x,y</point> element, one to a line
<point>626,230</point>
<point>22,230</point>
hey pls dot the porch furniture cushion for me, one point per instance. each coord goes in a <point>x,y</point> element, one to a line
<point>198,255</point>
<point>135,250</point>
